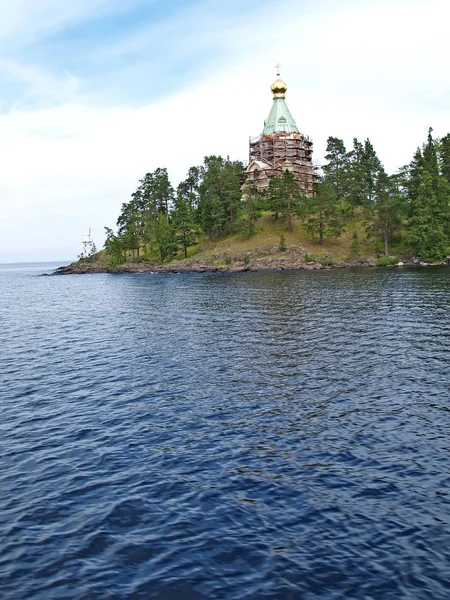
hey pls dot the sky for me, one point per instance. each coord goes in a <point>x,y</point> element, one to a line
<point>96,93</point>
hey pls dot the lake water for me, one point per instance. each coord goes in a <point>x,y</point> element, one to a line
<point>278,435</point>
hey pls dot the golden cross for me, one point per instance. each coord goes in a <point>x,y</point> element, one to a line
<point>278,67</point>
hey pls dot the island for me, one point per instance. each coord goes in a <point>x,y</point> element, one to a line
<point>279,210</point>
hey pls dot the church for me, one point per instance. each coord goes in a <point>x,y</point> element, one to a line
<point>280,147</point>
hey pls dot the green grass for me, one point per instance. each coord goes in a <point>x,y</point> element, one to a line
<point>266,241</point>
<point>268,232</point>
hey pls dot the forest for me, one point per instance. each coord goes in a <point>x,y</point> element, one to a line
<point>408,211</point>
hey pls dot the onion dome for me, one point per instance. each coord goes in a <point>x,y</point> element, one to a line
<point>280,119</point>
<point>278,87</point>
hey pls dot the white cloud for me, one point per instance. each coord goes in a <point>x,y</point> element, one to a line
<point>24,21</point>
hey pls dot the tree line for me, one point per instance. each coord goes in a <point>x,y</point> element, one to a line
<point>410,208</point>
<point>160,221</point>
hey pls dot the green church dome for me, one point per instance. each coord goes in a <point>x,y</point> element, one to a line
<point>280,119</point>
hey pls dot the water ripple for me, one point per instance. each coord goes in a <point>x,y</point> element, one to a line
<point>248,436</point>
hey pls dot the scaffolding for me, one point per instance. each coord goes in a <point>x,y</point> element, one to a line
<point>271,155</point>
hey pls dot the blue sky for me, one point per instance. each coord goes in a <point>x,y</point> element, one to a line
<point>112,52</point>
<point>98,92</point>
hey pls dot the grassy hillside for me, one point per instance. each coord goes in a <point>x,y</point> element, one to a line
<point>262,250</point>
<point>267,239</point>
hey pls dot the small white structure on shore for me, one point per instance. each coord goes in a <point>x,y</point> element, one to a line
<point>88,246</point>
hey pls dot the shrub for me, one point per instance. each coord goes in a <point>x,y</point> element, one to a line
<point>379,248</point>
<point>355,245</point>
<point>385,261</point>
<point>326,262</point>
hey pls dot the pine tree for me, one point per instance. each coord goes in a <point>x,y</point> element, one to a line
<point>182,218</point>
<point>321,213</point>
<point>429,195</point>
<point>385,216</point>
<point>114,248</point>
<point>337,170</point>
<point>285,197</point>
<point>162,192</point>
<point>130,230</point>
<point>250,208</point>
<point>189,188</point>
<point>219,195</point>
<point>444,155</point>
<point>164,238</point>
<point>364,170</point>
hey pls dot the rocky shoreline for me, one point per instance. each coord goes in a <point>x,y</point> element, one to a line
<point>183,267</point>
<point>263,259</point>
<point>268,258</point>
